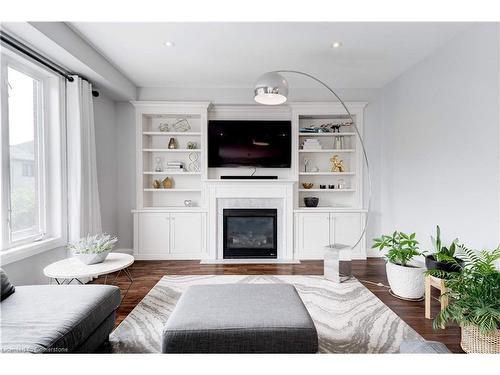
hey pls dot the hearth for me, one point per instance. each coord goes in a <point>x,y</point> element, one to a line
<point>250,233</point>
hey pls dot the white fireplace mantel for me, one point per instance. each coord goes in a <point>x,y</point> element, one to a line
<point>248,194</point>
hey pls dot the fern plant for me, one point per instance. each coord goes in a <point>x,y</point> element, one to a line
<point>474,291</point>
<point>401,247</point>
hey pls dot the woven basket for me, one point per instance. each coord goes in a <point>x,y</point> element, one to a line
<point>475,342</point>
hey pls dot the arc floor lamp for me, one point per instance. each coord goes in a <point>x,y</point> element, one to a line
<point>272,89</point>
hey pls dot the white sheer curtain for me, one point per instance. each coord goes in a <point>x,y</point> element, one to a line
<point>84,213</point>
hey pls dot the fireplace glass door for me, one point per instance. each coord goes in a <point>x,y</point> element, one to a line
<point>250,233</point>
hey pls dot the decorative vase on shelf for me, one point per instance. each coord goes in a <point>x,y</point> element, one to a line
<point>158,165</point>
<point>172,143</point>
<point>311,201</point>
<point>156,184</point>
<point>338,143</point>
<point>167,183</point>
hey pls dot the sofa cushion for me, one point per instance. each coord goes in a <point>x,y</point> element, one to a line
<point>6,288</point>
<point>240,318</point>
<point>54,318</point>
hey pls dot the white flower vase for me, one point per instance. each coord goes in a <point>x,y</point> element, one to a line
<point>89,259</point>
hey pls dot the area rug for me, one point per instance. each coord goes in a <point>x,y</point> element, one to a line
<point>348,317</point>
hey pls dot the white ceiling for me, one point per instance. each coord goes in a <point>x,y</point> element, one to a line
<point>235,54</point>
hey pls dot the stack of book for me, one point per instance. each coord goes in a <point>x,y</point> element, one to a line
<point>175,166</point>
<point>311,144</point>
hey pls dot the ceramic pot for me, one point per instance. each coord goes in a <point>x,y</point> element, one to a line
<point>93,258</point>
<point>311,201</point>
<point>432,264</point>
<point>406,282</point>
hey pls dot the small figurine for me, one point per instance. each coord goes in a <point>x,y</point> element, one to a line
<point>337,164</point>
<point>156,184</point>
<point>306,163</point>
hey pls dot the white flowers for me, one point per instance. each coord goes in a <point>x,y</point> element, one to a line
<point>97,244</point>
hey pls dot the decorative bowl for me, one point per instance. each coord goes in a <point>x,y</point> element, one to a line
<point>307,185</point>
<point>311,201</point>
<point>93,258</point>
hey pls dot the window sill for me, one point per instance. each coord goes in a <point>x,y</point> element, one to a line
<point>18,253</point>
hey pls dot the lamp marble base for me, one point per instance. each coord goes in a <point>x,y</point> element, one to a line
<point>337,263</point>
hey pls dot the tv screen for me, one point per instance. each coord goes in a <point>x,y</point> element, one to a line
<point>265,144</point>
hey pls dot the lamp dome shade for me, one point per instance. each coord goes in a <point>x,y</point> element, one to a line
<point>271,89</point>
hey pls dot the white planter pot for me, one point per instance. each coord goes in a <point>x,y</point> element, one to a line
<point>93,258</point>
<point>406,282</point>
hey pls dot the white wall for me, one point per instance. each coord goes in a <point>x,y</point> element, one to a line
<point>107,161</point>
<point>29,271</point>
<point>124,192</point>
<point>440,155</point>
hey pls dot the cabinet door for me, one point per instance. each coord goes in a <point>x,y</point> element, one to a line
<point>187,234</point>
<point>346,228</point>
<point>313,234</point>
<point>154,233</point>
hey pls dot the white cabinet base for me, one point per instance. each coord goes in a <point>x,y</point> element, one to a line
<point>315,230</point>
<point>169,235</point>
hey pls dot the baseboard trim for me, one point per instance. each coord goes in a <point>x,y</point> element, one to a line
<point>249,261</point>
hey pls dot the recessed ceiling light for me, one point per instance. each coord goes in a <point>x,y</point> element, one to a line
<point>169,44</point>
<point>336,44</point>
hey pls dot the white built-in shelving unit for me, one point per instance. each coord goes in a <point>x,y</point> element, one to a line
<point>152,145</point>
<point>318,169</point>
<point>164,228</point>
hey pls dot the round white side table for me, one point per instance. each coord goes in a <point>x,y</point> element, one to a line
<point>69,269</point>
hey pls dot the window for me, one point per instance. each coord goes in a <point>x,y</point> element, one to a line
<point>27,211</point>
<point>32,198</point>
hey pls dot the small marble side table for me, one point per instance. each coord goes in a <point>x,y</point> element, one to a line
<point>337,263</point>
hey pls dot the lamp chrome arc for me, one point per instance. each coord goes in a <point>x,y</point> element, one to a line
<point>271,88</point>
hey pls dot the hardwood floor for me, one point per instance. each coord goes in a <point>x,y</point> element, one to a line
<point>148,273</point>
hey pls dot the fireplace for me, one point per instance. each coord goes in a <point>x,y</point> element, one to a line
<point>250,233</point>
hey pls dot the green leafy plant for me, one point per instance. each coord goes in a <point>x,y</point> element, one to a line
<point>97,244</point>
<point>401,247</point>
<point>443,253</point>
<point>474,291</point>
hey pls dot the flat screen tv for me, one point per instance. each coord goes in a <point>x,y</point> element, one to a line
<point>264,144</point>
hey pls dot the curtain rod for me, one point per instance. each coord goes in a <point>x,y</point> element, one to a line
<point>24,49</point>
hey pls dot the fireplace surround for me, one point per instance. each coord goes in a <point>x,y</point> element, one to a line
<point>250,233</point>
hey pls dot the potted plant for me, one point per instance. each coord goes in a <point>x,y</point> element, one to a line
<point>406,278</point>
<point>474,294</point>
<point>443,257</point>
<point>93,249</point>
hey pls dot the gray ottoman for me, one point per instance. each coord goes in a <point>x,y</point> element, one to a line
<point>240,318</point>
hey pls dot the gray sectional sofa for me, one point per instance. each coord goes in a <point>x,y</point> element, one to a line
<point>56,318</point>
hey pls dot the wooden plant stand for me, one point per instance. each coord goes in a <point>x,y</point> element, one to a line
<point>432,281</point>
